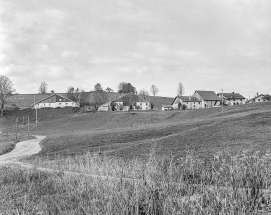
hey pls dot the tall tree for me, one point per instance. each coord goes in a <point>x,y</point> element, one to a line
<point>99,98</point>
<point>6,90</point>
<point>98,87</point>
<point>154,90</point>
<point>126,88</point>
<point>120,86</point>
<point>108,89</point>
<point>181,89</point>
<point>43,88</point>
<point>83,98</point>
<point>143,93</point>
<point>70,93</point>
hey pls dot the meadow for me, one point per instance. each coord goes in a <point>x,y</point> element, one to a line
<point>177,162</point>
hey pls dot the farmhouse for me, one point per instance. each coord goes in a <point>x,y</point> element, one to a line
<point>207,98</point>
<point>232,98</point>
<point>55,101</point>
<point>189,101</point>
<point>258,98</point>
<point>126,102</point>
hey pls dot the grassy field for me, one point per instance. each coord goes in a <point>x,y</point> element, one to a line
<point>101,185</point>
<point>178,162</point>
<point>135,134</point>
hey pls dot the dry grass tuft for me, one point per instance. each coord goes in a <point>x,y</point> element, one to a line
<point>228,184</point>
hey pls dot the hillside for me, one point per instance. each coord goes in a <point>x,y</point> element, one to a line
<point>136,134</point>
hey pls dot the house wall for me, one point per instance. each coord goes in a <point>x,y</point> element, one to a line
<point>143,105</point>
<point>176,103</point>
<point>235,101</point>
<point>209,104</point>
<point>55,105</point>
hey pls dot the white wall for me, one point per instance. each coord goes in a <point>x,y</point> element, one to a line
<point>143,105</point>
<point>56,105</point>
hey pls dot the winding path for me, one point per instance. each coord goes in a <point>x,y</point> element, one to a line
<point>22,149</point>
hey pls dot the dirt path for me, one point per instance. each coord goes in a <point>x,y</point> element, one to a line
<point>22,149</point>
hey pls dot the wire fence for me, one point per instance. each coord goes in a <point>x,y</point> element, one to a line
<point>17,130</point>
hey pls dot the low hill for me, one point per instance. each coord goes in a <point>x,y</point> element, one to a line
<point>135,134</point>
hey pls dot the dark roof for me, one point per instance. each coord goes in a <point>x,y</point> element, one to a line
<point>208,95</point>
<point>159,101</point>
<point>167,106</point>
<point>232,95</point>
<point>186,99</point>
<point>52,96</point>
<point>255,97</point>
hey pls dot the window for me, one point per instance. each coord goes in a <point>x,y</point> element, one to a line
<point>259,100</point>
<point>59,103</point>
<point>66,103</point>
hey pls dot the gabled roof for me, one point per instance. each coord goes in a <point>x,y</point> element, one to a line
<point>232,95</point>
<point>138,98</point>
<point>208,95</point>
<point>167,106</point>
<point>255,97</point>
<point>186,99</point>
<point>50,97</point>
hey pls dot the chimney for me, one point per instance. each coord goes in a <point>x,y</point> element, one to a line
<point>189,98</point>
<point>257,93</point>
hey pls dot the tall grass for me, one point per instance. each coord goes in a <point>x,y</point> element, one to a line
<point>228,184</point>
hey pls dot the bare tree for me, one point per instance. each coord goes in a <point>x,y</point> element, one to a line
<point>108,89</point>
<point>180,90</point>
<point>98,87</point>
<point>6,90</point>
<point>43,88</point>
<point>154,90</point>
<point>143,93</point>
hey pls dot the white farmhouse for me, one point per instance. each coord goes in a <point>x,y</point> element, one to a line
<point>258,98</point>
<point>55,101</point>
<point>232,98</point>
<point>189,101</point>
<point>125,102</point>
<point>207,98</point>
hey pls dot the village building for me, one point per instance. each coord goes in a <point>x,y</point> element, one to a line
<point>55,101</point>
<point>208,98</point>
<point>167,107</point>
<point>232,98</point>
<point>130,101</point>
<point>258,98</point>
<point>189,101</point>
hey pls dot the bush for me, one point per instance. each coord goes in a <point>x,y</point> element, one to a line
<point>184,107</point>
<point>152,105</point>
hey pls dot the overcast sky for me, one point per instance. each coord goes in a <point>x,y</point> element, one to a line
<point>206,44</point>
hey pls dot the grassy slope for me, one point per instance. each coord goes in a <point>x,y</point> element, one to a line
<point>135,135</point>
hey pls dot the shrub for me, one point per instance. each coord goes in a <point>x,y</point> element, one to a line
<point>184,107</point>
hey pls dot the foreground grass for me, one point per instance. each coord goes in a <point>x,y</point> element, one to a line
<point>227,184</point>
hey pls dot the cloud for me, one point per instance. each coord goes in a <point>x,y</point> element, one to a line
<point>205,44</point>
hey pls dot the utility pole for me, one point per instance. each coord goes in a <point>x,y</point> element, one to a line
<point>36,110</point>
<point>28,126</point>
<point>222,100</point>
<point>16,128</point>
